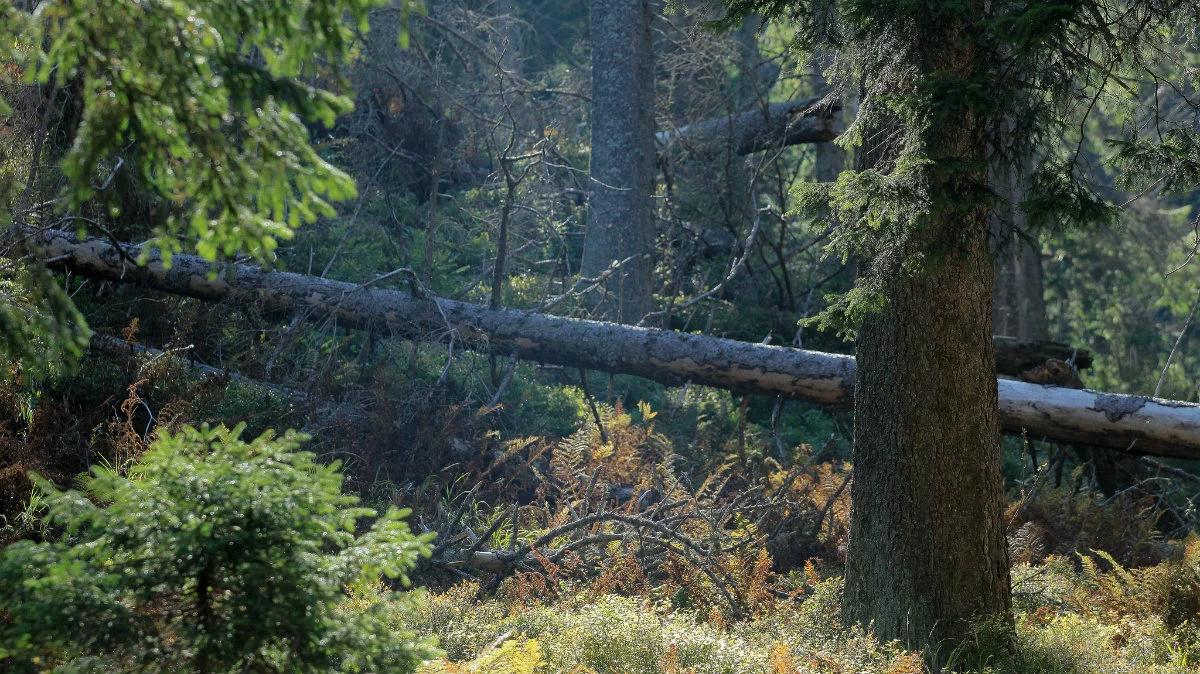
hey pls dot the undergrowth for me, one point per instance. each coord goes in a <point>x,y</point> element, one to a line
<point>1098,586</point>
<point>1079,620</point>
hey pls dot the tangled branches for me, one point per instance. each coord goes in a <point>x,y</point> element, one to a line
<point>619,513</point>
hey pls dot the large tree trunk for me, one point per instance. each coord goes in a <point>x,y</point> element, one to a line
<point>928,553</point>
<point>1120,422</point>
<point>620,225</point>
<point>927,541</point>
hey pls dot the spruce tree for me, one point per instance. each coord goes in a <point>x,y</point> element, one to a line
<point>204,106</point>
<point>951,88</point>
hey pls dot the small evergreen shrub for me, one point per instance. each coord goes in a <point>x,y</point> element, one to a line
<point>211,555</point>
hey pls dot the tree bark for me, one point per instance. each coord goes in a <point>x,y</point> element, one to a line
<point>1019,303</point>
<point>927,541</point>
<point>1134,423</point>
<point>620,226</point>
<point>829,159</point>
<point>928,555</point>
<point>763,128</point>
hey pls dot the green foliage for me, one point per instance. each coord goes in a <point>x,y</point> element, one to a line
<point>1170,162</point>
<point>635,636</point>
<point>1169,591</point>
<point>1124,302</point>
<point>514,656</point>
<point>212,555</point>
<point>953,87</point>
<point>1057,197</point>
<point>624,634</point>
<point>203,102</point>
<point>1095,615</point>
<point>1054,635</point>
<point>39,324</point>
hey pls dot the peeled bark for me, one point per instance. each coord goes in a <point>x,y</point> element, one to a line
<point>772,126</point>
<point>620,226</point>
<point>1151,426</point>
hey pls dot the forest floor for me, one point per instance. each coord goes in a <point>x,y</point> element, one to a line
<point>679,535</point>
<point>1071,619</point>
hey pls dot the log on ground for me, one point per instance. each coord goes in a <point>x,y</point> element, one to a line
<point>1123,422</point>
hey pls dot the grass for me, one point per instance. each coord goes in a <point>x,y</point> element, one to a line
<point>1072,618</point>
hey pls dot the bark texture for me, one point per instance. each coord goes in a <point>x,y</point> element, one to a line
<point>1015,356</point>
<point>928,553</point>
<point>927,540</point>
<point>1122,422</point>
<point>770,126</point>
<point>620,226</point>
<point>1019,307</point>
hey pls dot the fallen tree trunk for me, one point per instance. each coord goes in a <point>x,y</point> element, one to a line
<point>1015,356</point>
<point>773,126</point>
<point>1124,422</point>
<point>119,348</point>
